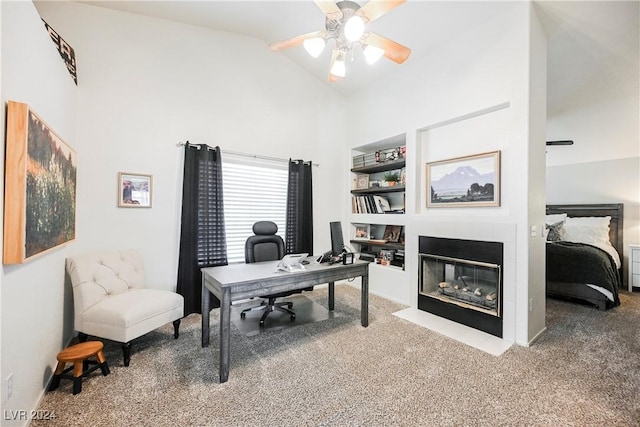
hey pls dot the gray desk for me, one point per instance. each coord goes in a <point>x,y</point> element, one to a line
<point>240,281</point>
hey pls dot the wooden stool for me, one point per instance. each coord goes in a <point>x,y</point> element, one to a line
<point>78,355</point>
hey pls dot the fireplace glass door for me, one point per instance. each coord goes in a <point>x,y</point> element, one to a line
<point>470,284</point>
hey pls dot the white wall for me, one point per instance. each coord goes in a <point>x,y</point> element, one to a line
<point>144,85</point>
<point>537,84</point>
<point>601,115</point>
<point>35,302</point>
<point>482,75</point>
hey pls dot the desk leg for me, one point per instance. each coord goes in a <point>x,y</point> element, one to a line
<point>225,334</point>
<point>364,300</point>
<point>204,306</point>
<point>332,295</point>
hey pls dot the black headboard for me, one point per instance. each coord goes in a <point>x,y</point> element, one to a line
<point>614,210</point>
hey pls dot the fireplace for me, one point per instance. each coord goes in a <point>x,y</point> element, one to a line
<point>461,280</point>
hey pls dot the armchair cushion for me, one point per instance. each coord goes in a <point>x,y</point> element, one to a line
<point>111,300</point>
<point>129,315</point>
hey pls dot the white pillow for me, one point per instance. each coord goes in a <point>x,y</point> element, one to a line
<point>591,220</point>
<point>555,218</point>
<point>589,230</point>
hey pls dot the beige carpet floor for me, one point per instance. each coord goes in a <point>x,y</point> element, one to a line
<point>584,371</point>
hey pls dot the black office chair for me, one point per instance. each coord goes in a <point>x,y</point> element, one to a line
<point>265,245</point>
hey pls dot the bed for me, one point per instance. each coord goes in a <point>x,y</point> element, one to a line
<point>580,265</point>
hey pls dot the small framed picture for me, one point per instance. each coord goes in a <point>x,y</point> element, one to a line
<point>362,232</point>
<point>134,190</point>
<point>392,233</point>
<point>386,256</point>
<point>362,182</point>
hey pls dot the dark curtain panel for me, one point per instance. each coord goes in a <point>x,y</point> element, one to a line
<point>203,241</point>
<point>299,232</point>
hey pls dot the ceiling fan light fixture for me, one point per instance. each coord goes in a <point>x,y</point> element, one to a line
<point>345,24</point>
<point>372,54</point>
<point>314,46</point>
<point>354,28</point>
<point>339,68</point>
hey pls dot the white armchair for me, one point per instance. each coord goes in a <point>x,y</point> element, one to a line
<point>111,301</point>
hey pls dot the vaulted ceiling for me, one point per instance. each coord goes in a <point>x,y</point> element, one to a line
<point>586,38</point>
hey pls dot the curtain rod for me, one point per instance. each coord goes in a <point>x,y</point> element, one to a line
<point>236,153</point>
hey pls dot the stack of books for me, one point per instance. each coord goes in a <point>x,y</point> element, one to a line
<point>370,204</point>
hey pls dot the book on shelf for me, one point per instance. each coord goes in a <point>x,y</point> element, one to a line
<point>382,204</point>
<point>363,204</point>
<point>370,204</point>
<point>355,205</point>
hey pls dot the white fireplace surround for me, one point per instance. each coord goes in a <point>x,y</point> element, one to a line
<point>470,230</point>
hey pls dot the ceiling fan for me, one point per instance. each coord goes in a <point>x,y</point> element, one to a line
<point>345,24</point>
<point>562,142</point>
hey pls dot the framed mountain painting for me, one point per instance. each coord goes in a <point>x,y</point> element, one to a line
<point>464,181</point>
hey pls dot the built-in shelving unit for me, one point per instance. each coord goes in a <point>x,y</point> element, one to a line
<point>378,185</point>
<point>378,202</point>
<point>367,227</point>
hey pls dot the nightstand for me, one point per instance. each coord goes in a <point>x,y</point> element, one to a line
<point>634,266</point>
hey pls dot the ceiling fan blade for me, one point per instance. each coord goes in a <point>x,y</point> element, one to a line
<point>328,7</point>
<point>374,9</point>
<point>296,41</point>
<point>334,56</point>
<point>392,50</point>
<point>563,142</point>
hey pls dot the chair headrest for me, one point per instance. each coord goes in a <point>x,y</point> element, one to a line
<point>265,228</point>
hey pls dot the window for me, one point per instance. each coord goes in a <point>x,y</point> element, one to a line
<point>254,190</point>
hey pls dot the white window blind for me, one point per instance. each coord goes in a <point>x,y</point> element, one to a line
<point>253,190</point>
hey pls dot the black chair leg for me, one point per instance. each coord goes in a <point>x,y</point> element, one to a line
<point>267,310</point>
<point>126,352</point>
<point>263,305</point>
<point>176,329</point>
<point>284,307</point>
<point>280,306</point>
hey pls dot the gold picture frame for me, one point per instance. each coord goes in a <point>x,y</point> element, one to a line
<point>40,187</point>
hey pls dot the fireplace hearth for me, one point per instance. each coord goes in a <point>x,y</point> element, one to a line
<point>461,280</point>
